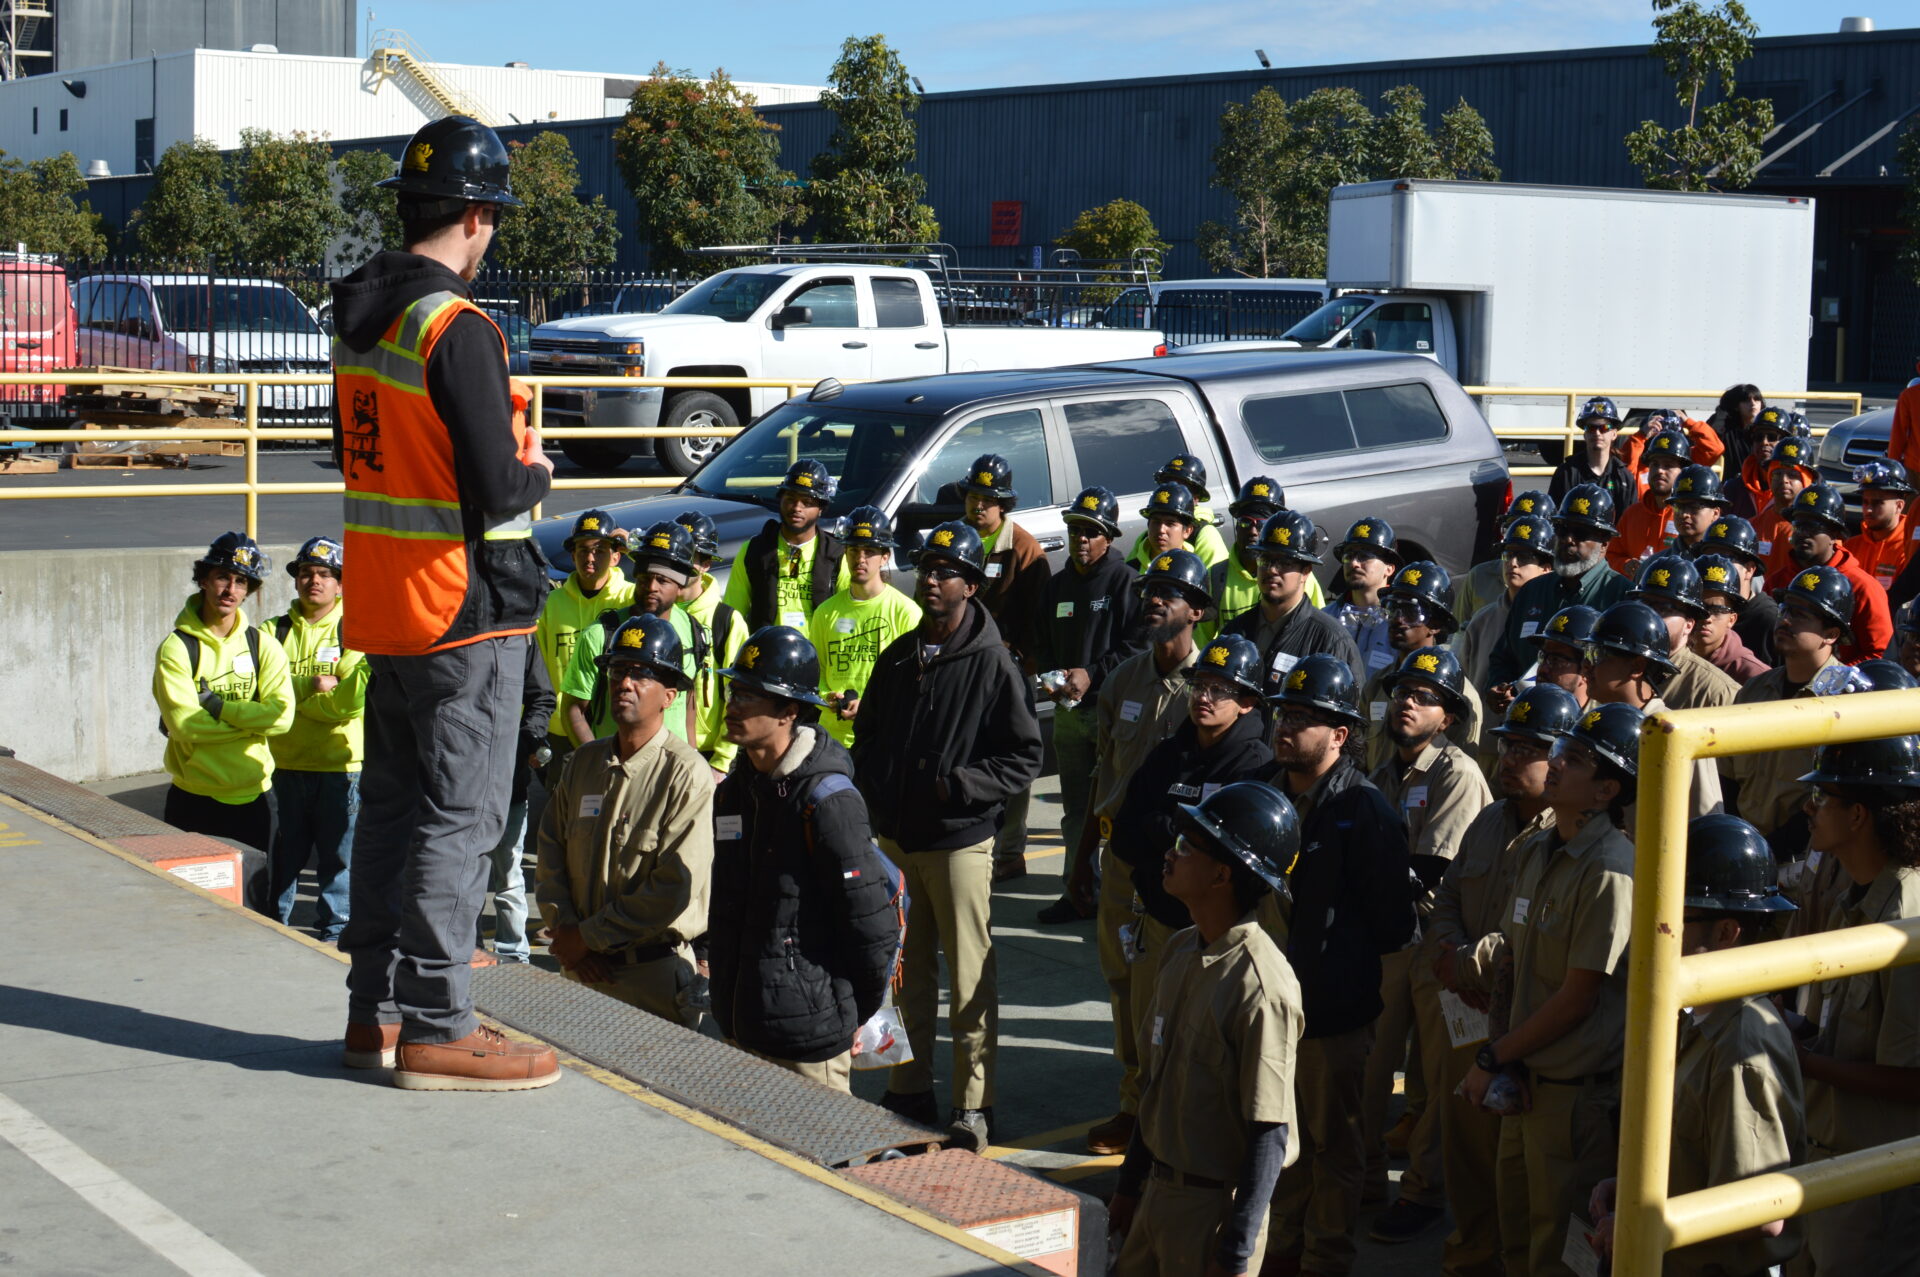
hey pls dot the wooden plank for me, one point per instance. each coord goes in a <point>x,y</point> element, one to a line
<point>23,463</point>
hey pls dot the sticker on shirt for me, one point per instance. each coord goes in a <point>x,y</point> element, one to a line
<point>993,570</point>
<point>1529,628</point>
<point>590,806</point>
<point>1063,610</point>
<point>1520,906</point>
<point>1416,797</point>
<point>329,654</point>
<point>1379,658</point>
<point>1159,1030</point>
<point>843,625</point>
<point>1376,710</point>
<point>1129,711</point>
<point>794,620</point>
<point>1766,547</point>
<point>727,827</point>
<point>1283,662</point>
<point>243,664</point>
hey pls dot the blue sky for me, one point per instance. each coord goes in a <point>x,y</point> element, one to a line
<point>988,43</point>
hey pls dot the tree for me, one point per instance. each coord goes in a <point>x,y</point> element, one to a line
<point>372,217</point>
<point>187,215</point>
<point>284,187</point>
<point>862,189</point>
<point>554,232</point>
<point>703,168</point>
<point>1907,150</point>
<point>38,208</point>
<point>1114,232</point>
<point>1719,145</point>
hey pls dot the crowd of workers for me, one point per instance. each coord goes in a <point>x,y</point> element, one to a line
<point>1327,831</point>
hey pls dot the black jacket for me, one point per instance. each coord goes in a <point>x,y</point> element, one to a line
<point>1102,627</point>
<point>1303,632</point>
<point>1618,481</point>
<point>964,717</point>
<point>467,383</point>
<point>1178,771</point>
<point>1352,899</point>
<point>536,710</point>
<point>802,930</point>
<point>761,560</point>
<point>1755,624</point>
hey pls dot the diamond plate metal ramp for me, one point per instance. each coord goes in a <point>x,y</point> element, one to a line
<point>81,808</point>
<point>766,1101</point>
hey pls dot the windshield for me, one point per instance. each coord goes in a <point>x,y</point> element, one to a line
<point>863,451</point>
<point>730,295</point>
<point>1322,324</point>
<point>226,308</point>
<point>31,301</point>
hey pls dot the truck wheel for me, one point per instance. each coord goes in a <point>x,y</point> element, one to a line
<point>594,454</point>
<point>695,408</point>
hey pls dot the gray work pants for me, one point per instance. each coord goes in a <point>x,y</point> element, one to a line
<point>442,730</point>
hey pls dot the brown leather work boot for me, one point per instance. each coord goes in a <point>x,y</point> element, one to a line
<point>370,1046</point>
<point>484,1060</point>
<point>1112,1135</point>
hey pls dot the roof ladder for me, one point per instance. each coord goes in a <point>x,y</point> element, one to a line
<point>395,53</point>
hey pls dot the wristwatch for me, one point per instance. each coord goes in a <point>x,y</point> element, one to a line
<point>1485,1060</point>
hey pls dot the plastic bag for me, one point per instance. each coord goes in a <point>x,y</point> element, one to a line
<point>881,1042</point>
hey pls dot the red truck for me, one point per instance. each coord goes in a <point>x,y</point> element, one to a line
<point>37,334</point>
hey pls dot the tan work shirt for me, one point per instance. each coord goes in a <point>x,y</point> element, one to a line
<point>1572,907</point>
<point>1479,636</point>
<point>1138,708</point>
<point>1471,900</point>
<point>1465,731</point>
<point>1217,1050</point>
<point>1698,683</point>
<point>626,847</point>
<point>1704,795</point>
<point>1873,1017</point>
<point>1771,791</point>
<point>1438,796</point>
<point>1737,1111</point>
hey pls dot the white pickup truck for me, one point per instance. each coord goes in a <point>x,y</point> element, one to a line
<point>804,321</point>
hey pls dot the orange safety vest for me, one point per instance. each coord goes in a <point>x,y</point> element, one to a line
<point>407,533</point>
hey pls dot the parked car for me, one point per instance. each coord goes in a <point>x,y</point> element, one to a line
<point>199,323</point>
<point>1347,433</point>
<point>1851,443</point>
<point>519,335</point>
<point>1189,311</point>
<point>36,335</point>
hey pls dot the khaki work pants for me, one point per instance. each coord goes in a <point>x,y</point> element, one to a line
<point>658,987</point>
<point>1316,1204</point>
<point>952,899</point>
<point>1176,1231</point>
<point>1879,1234</point>
<point>1406,1016</point>
<point>1010,844</point>
<point>1114,911</point>
<point>1469,1152</point>
<point>1550,1158</point>
<point>836,1073</point>
<point>1151,955</point>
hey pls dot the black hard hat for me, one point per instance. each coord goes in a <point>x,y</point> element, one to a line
<point>868,527</point>
<point>1670,578</point>
<point>1426,583</point>
<point>1892,762</point>
<point>1247,823</point>
<point>1599,406</point>
<point>1730,868</point>
<point>455,159</point>
<point>322,552</point>
<point>1182,568</point>
<point>1324,682</point>
<point>1435,665</point>
<point>1795,450</point>
<point>1734,537</point>
<point>668,544</point>
<point>1827,591</point>
<point>1188,471</point>
<point>1097,506</point>
<point>1718,573</point>
<point>1544,712</point>
<point>1587,506</point>
<point>810,479</point>
<point>595,525</point>
<point>1233,658</point>
<point>958,544</point>
<point>704,531</point>
<point>1783,421</point>
<point>1572,625</point>
<point>1698,485</point>
<point>1883,675</point>
<point>651,641</point>
<point>1908,620</point>
<point>1531,501</point>
<point>1667,445</point>
<point>1260,497</point>
<point>1290,533</point>
<point>990,476</point>
<point>1885,476</point>
<point>237,552</point>
<point>1370,534</point>
<point>1533,532</point>
<point>1631,628</point>
<point>1613,732</point>
<point>1820,503</point>
<point>1171,500</point>
<point>778,660</point>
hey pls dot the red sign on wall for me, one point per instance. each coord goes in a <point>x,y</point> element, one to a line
<point>1008,217</point>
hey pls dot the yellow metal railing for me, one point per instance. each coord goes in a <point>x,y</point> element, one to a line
<point>1660,980</point>
<point>248,430</point>
<point>1569,429</point>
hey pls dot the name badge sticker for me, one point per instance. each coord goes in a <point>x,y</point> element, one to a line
<point>1376,710</point>
<point>1416,797</point>
<point>843,625</point>
<point>329,654</point>
<point>243,664</point>
<point>1129,711</point>
<point>1520,907</point>
<point>1529,628</point>
<point>1159,1030</point>
<point>590,806</point>
<point>1064,610</point>
<point>794,620</point>
<point>727,827</point>
<point>993,570</point>
<point>1283,662</point>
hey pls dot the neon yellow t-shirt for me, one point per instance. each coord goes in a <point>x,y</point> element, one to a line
<point>565,613</point>
<point>850,634</point>
<point>1207,542</point>
<point>578,682</point>
<point>793,583</point>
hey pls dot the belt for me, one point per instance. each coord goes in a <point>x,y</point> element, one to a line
<point>641,953</point>
<point>1605,1075</point>
<point>1181,1179</point>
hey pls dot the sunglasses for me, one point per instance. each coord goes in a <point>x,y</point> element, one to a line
<point>630,671</point>
<point>941,572</point>
<point>1417,696</point>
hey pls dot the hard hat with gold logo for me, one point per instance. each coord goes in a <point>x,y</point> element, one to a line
<point>1672,579</point>
<point>956,543</point>
<point>1182,569</point>
<point>1585,510</point>
<point>1324,682</point>
<point>868,527</point>
<point>1289,535</point>
<point>1612,732</point>
<point>1543,713</point>
<point>454,161</point>
<point>1824,589</point>
<point>808,478</point>
<point>1260,497</point>
<point>1439,669</point>
<point>1426,583</point>
<point>991,476</point>
<point>1233,659</point>
<point>1097,506</point>
<point>1631,628</point>
<point>779,661</point>
<point>651,643</point>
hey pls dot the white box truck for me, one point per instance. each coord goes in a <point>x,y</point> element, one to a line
<point>1548,286</point>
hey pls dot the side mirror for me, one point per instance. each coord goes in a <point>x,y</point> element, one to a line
<point>1366,339</point>
<point>792,317</point>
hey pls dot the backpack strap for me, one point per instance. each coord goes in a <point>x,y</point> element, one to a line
<point>702,643</point>
<point>253,649</point>
<point>597,703</point>
<point>282,626</point>
<point>722,627</point>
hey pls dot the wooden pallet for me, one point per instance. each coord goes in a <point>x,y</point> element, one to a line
<point>151,452</point>
<point>27,463</point>
<point>138,396</point>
